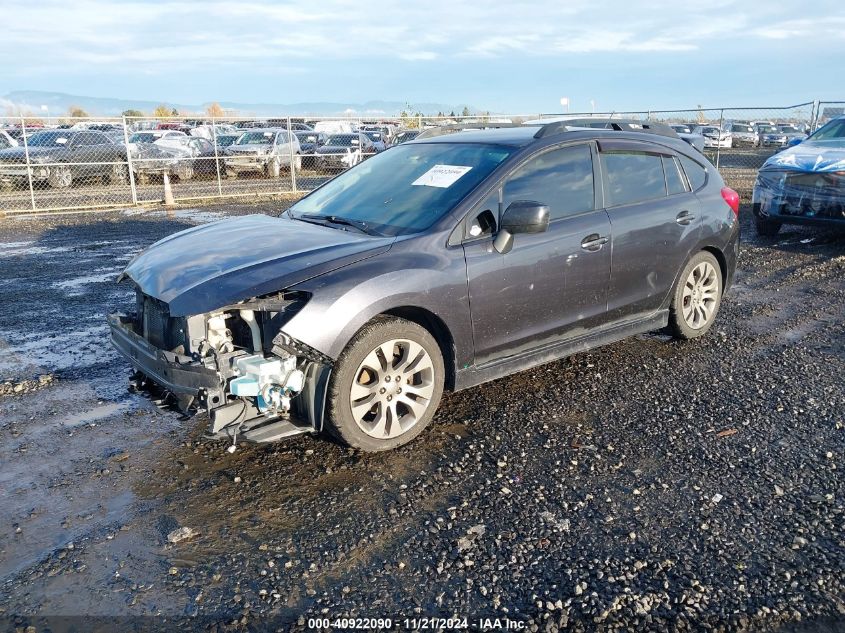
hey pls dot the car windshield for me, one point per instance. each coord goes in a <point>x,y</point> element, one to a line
<point>144,137</point>
<point>374,136</point>
<point>681,128</point>
<point>256,138</point>
<point>306,137</point>
<point>710,130</point>
<point>48,139</point>
<point>343,140</point>
<point>226,139</point>
<point>768,128</point>
<point>834,129</point>
<point>741,128</point>
<point>407,188</point>
<point>403,137</point>
<point>789,129</point>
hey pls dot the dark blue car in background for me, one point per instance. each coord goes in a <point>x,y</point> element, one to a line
<point>804,184</point>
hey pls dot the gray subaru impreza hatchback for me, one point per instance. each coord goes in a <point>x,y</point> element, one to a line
<point>441,263</point>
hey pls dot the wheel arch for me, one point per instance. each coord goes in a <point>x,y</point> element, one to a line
<point>438,329</point>
<point>720,257</point>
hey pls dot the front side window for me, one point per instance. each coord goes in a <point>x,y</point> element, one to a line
<point>561,179</point>
<point>632,177</point>
<point>407,189</point>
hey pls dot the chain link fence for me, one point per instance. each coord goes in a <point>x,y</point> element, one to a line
<point>61,163</point>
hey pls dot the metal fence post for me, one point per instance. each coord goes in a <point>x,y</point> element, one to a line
<point>290,151</point>
<point>719,137</point>
<point>216,157</point>
<point>28,166</point>
<point>132,187</point>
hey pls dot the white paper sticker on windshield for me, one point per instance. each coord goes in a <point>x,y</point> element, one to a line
<point>61,140</point>
<point>441,176</point>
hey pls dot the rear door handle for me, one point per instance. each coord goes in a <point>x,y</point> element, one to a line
<point>594,242</point>
<point>684,218</point>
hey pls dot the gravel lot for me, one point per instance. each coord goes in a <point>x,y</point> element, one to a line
<point>648,485</point>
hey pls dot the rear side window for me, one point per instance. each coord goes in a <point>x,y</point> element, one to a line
<point>674,181</point>
<point>561,178</point>
<point>696,174</point>
<point>632,177</point>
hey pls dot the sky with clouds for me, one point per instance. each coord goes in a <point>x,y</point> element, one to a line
<point>503,56</point>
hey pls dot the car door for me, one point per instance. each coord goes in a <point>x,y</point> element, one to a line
<point>204,163</point>
<point>550,285</point>
<point>656,222</point>
<point>82,157</point>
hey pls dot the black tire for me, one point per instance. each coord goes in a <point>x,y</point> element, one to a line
<point>766,228</point>
<point>341,422</point>
<point>690,302</point>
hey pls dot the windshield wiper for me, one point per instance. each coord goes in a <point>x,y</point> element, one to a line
<point>336,219</point>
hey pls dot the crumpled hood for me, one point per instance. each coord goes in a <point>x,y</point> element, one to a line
<point>18,154</point>
<point>213,265</point>
<point>811,156</point>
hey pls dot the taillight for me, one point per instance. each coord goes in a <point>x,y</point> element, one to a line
<point>732,198</point>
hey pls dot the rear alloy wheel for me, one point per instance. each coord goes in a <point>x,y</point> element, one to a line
<point>184,172</point>
<point>119,175</point>
<point>386,386</point>
<point>697,297</point>
<point>766,228</point>
<point>60,177</point>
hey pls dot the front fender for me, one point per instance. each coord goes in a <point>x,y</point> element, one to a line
<point>343,301</point>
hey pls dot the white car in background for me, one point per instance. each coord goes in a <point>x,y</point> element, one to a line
<point>714,137</point>
<point>742,133</point>
<point>264,150</point>
<point>334,127</point>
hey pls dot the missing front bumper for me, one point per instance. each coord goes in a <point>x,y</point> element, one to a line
<point>177,373</point>
<point>189,379</point>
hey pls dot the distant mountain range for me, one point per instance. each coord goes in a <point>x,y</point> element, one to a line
<point>58,104</point>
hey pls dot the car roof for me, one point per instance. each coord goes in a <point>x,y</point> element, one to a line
<point>524,135</point>
<point>516,136</point>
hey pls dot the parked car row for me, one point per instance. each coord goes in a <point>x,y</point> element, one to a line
<point>60,157</point>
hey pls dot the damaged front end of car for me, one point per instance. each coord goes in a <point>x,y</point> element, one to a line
<point>234,363</point>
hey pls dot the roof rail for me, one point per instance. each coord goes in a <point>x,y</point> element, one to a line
<point>460,127</point>
<point>623,125</point>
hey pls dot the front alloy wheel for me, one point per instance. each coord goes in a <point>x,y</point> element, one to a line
<point>386,385</point>
<point>60,177</point>
<point>392,389</point>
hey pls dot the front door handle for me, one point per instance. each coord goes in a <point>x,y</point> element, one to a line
<point>684,218</point>
<point>594,242</point>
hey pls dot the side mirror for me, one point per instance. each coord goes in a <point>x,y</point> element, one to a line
<point>521,216</point>
<point>794,141</point>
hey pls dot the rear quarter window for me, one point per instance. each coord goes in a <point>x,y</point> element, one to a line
<point>696,173</point>
<point>674,181</point>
